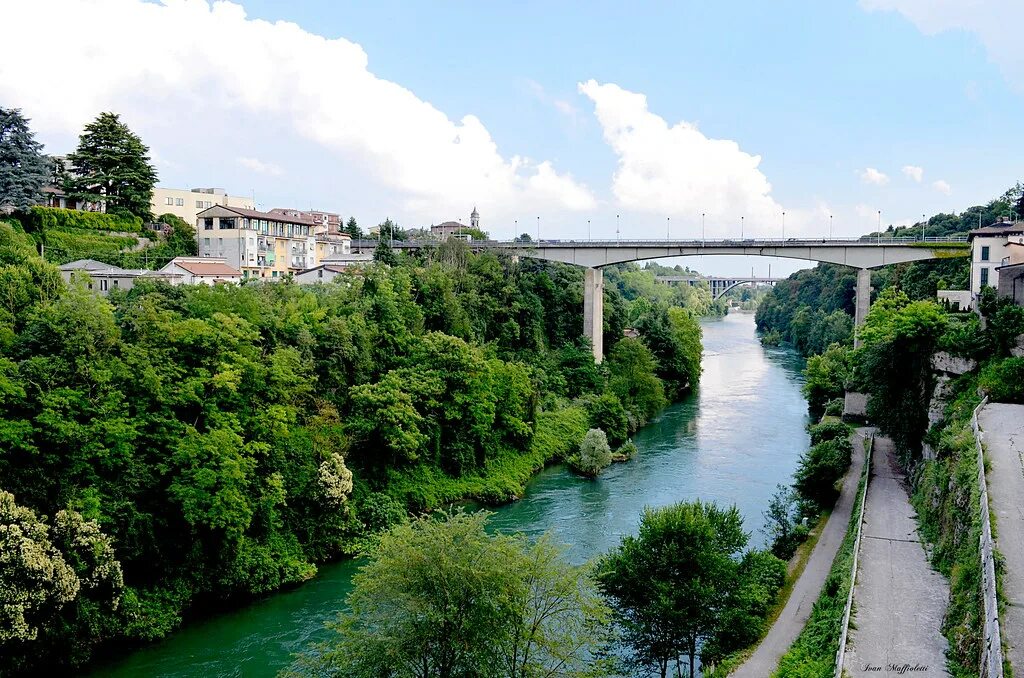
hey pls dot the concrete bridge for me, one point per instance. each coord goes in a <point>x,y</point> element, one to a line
<point>862,254</point>
<point>719,285</point>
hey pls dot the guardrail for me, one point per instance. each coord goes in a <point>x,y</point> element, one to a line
<point>684,242</point>
<point>992,647</point>
<point>841,652</point>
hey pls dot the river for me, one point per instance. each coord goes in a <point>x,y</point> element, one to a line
<point>732,441</point>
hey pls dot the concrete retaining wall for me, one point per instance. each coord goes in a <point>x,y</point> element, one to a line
<point>992,648</point>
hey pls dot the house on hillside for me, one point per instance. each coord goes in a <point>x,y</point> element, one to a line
<point>990,246</point>
<point>202,271</point>
<point>104,278</point>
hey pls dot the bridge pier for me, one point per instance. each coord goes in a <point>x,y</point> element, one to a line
<point>862,302</point>
<point>593,310</point>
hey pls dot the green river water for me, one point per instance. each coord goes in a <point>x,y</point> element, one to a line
<point>732,441</point>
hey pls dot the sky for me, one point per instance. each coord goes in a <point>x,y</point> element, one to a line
<point>590,115</point>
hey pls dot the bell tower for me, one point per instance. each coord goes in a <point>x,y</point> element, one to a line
<point>474,219</point>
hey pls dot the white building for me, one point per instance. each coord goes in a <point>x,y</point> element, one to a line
<point>989,249</point>
<point>105,278</point>
<point>201,271</point>
<point>187,203</point>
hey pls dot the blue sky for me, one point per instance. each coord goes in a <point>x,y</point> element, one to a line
<point>362,108</point>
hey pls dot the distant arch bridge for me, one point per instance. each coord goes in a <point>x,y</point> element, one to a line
<point>719,285</point>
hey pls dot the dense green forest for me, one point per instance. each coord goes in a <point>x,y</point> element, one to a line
<point>813,308</point>
<point>171,448</point>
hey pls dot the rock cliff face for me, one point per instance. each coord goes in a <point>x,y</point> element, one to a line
<point>946,367</point>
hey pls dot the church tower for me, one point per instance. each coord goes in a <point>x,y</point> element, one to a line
<point>474,219</point>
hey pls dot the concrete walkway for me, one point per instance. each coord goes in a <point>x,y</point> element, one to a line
<point>1003,436</point>
<point>899,601</point>
<point>805,592</point>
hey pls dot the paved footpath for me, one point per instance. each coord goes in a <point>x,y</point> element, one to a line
<point>1003,436</point>
<point>899,601</point>
<point>805,592</point>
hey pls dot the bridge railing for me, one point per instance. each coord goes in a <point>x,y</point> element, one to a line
<point>677,242</point>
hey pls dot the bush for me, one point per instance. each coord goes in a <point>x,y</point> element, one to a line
<point>55,218</point>
<point>1003,380</point>
<point>627,451</point>
<point>594,454</point>
<point>829,430</point>
<point>835,407</point>
<point>607,413</point>
<point>820,469</point>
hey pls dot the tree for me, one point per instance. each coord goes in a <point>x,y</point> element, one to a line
<point>24,170</point>
<point>894,366</point>
<point>384,254</point>
<point>352,228</point>
<point>631,367</point>
<point>670,585</point>
<point>182,239</point>
<point>442,597</point>
<point>826,376</point>
<point>594,454</point>
<point>111,165</point>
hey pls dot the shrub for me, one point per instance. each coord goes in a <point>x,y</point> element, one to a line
<point>594,454</point>
<point>607,413</point>
<point>1003,380</point>
<point>820,469</point>
<point>835,407</point>
<point>55,218</point>
<point>626,451</point>
<point>829,430</point>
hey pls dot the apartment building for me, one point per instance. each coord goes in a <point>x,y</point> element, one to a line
<point>264,244</point>
<point>188,203</point>
<point>990,249</point>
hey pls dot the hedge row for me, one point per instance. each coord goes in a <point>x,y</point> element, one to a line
<point>55,218</point>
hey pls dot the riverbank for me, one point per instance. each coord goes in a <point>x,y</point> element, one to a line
<point>733,440</point>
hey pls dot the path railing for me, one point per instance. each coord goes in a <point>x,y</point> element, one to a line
<point>841,652</point>
<point>992,647</point>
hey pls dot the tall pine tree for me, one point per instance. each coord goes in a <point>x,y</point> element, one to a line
<point>112,165</point>
<point>24,170</point>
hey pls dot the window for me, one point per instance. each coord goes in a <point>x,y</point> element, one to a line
<point>984,276</point>
<point>168,201</point>
<point>207,204</point>
<point>180,202</point>
<point>273,274</point>
<point>227,223</point>
<point>115,284</point>
<point>199,204</point>
<point>207,224</point>
<point>206,243</point>
<point>320,273</point>
<point>984,253</point>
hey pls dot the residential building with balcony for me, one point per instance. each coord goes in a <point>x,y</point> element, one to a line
<point>188,203</point>
<point>264,244</point>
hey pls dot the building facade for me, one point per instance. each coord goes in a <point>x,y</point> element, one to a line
<point>188,203</point>
<point>264,244</point>
<point>326,222</point>
<point>990,246</point>
<point>105,278</point>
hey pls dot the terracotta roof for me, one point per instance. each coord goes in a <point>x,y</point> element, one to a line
<point>255,214</point>
<point>207,268</point>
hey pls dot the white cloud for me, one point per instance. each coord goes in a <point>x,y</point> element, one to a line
<point>676,170</point>
<point>260,167</point>
<point>942,187</point>
<point>222,70</point>
<point>990,20</point>
<point>872,176</point>
<point>914,172</point>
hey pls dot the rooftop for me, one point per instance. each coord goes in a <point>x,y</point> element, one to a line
<point>211,267</point>
<point>282,216</point>
<point>999,228</point>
